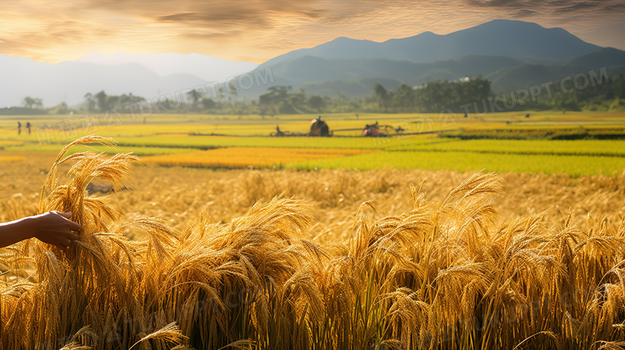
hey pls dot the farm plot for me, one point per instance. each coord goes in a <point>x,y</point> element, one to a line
<point>243,157</point>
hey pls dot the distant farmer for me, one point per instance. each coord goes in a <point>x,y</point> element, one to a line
<point>278,131</point>
<point>28,127</point>
<point>371,129</point>
<point>527,115</point>
<point>19,128</point>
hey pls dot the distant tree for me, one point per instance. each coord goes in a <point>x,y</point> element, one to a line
<point>105,102</point>
<point>431,97</point>
<point>125,100</point>
<point>30,102</point>
<point>195,96</point>
<point>316,102</point>
<point>382,95</point>
<point>112,101</point>
<point>233,89</point>
<point>208,103</point>
<point>90,101</point>
<point>404,97</point>
<point>276,96</point>
<point>62,108</point>
<point>101,100</point>
<point>380,91</point>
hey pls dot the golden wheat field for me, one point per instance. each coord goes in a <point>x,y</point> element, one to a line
<point>10,159</point>
<point>331,259</point>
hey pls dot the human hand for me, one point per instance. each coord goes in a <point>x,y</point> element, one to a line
<point>55,228</point>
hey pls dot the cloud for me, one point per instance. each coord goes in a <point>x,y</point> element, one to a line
<point>548,7</point>
<point>244,29</point>
<point>576,7</point>
<point>203,11</point>
<point>217,20</point>
<point>523,13</point>
<point>52,38</point>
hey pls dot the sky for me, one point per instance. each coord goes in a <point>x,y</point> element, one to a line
<point>257,30</point>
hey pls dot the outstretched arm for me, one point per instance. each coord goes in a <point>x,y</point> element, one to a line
<point>51,227</point>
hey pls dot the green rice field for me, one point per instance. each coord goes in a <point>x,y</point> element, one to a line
<point>419,147</point>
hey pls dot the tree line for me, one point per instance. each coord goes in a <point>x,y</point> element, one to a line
<point>432,97</point>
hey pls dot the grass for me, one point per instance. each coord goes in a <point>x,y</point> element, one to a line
<point>169,134</point>
<point>613,148</point>
<point>473,161</point>
<point>10,143</point>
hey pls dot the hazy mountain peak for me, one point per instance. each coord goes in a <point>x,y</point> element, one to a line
<point>517,39</point>
<point>204,67</point>
<point>605,57</point>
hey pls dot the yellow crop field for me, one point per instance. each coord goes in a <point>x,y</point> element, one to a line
<point>10,143</point>
<point>243,157</point>
<point>63,129</point>
<point>10,159</point>
<point>328,259</point>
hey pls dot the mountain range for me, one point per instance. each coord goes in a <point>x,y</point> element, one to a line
<point>521,40</point>
<point>356,77</point>
<point>512,54</point>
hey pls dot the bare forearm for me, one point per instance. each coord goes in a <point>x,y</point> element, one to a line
<point>52,227</point>
<point>15,231</point>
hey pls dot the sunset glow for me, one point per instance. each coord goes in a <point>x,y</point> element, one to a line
<point>255,31</point>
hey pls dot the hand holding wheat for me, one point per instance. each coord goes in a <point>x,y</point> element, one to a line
<point>55,228</point>
<point>52,227</point>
